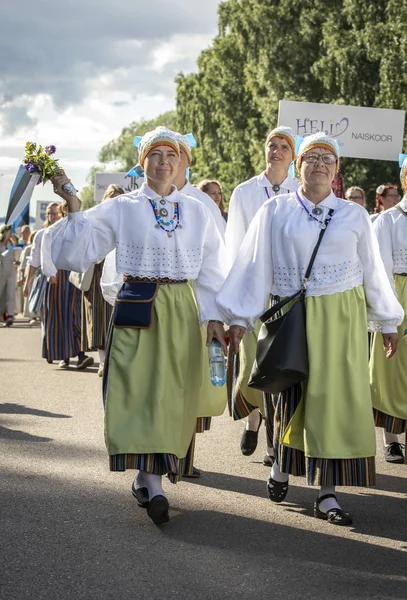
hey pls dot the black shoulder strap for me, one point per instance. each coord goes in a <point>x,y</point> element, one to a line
<point>321,235</point>
<point>277,307</point>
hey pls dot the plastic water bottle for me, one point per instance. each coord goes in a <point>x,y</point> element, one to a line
<point>217,365</point>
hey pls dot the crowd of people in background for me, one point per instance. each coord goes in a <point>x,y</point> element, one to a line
<point>15,263</point>
<point>149,278</point>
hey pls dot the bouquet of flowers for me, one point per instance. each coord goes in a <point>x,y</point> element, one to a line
<point>38,160</point>
<point>38,166</point>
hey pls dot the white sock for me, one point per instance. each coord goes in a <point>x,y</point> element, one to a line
<point>270,451</point>
<point>102,356</point>
<point>389,438</point>
<point>139,481</point>
<point>277,475</point>
<point>153,484</point>
<point>252,423</point>
<point>329,503</point>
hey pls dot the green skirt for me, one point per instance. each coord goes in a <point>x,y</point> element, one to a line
<point>334,418</point>
<point>388,377</point>
<point>153,382</point>
<point>324,430</point>
<point>241,398</point>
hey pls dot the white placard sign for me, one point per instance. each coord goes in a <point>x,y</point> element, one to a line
<point>375,133</point>
<point>103,180</point>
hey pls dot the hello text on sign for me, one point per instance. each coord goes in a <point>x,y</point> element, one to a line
<point>375,133</point>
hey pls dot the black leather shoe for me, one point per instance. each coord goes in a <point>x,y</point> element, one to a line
<point>157,510</point>
<point>277,490</point>
<point>336,516</point>
<point>141,495</point>
<point>249,439</point>
<point>196,473</point>
<point>268,461</point>
<point>394,453</point>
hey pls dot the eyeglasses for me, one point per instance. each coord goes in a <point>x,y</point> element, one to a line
<point>355,198</point>
<point>328,159</point>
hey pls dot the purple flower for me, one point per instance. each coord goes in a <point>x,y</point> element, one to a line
<point>30,168</point>
<point>50,149</point>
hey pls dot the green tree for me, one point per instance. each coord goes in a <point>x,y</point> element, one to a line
<point>333,51</point>
<point>120,153</point>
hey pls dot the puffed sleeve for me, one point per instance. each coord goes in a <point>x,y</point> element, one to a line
<point>111,281</point>
<point>83,238</point>
<point>384,312</point>
<point>47,265</point>
<point>212,272</point>
<point>236,227</point>
<point>34,259</point>
<point>244,295</point>
<point>382,228</point>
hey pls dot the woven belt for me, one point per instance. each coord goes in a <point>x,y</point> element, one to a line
<point>162,281</point>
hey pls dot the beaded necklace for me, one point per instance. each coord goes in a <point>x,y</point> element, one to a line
<point>162,218</point>
<point>317,211</point>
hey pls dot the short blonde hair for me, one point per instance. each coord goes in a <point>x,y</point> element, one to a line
<point>112,191</point>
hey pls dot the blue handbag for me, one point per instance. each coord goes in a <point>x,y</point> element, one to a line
<point>134,304</point>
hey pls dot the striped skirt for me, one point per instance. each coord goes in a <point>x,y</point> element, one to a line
<point>37,294</point>
<point>389,423</point>
<point>150,424</point>
<point>388,378</point>
<point>318,471</point>
<point>96,313</point>
<point>324,429</point>
<point>62,319</point>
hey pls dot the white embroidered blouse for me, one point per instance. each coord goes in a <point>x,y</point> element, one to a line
<point>41,258</point>
<point>247,198</point>
<point>391,231</point>
<point>128,225</point>
<point>277,249</point>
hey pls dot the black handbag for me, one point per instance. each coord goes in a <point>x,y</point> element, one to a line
<point>282,350</point>
<point>134,304</point>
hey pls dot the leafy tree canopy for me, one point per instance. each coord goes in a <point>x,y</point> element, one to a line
<point>333,51</point>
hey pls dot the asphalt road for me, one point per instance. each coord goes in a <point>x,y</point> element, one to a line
<point>70,529</point>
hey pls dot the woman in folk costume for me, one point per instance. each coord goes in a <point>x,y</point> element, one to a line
<point>96,312</point>
<point>388,378</point>
<point>245,201</point>
<point>210,395</point>
<point>152,377</point>
<point>61,313</point>
<point>324,429</point>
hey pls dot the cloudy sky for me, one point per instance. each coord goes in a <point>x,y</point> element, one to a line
<point>75,74</point>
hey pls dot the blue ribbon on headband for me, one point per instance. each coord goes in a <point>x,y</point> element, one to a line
<point>136,171</point>
<point>298,141</point>
<point>402,157</point>
<point>191,139</point>
<point>338,148</point>
<point>137,140</point>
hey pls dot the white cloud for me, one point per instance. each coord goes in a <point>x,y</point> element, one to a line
<point>90,74</point>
